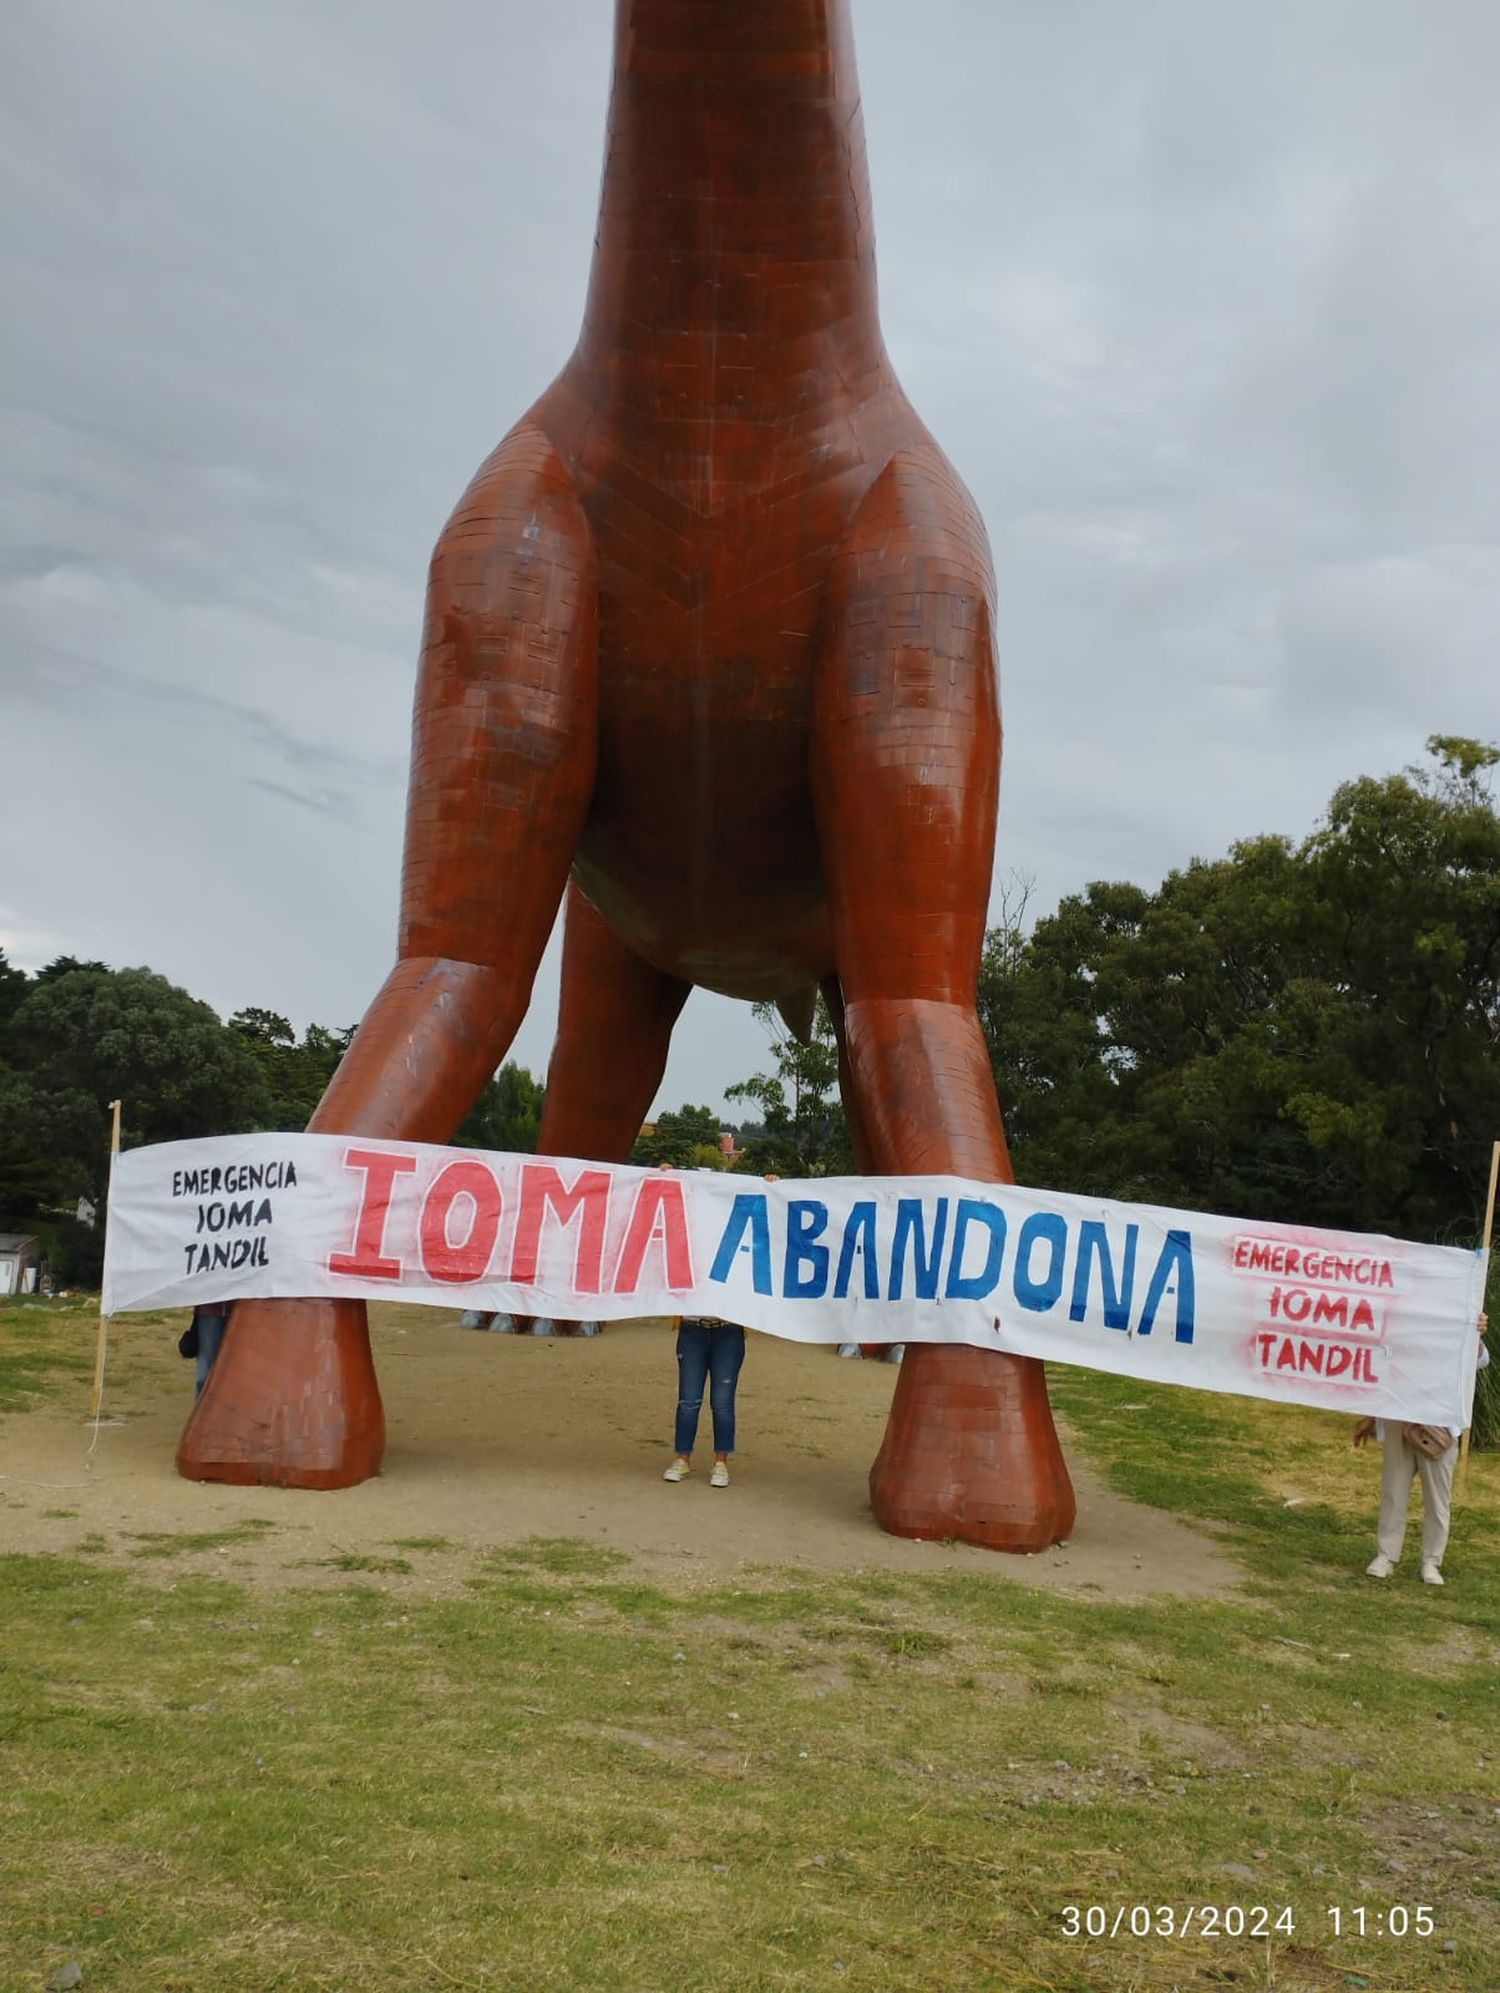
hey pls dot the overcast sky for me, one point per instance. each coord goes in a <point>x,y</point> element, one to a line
<point>1202,298</point>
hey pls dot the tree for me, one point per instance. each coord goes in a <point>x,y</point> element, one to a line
<point>263,1027</point>
<point>1056,1070</point>
<point>53,1147</point>
<point>87,1035</point>
<point>802,1130</point>
<point>688,1139</point>
<point>1294,1033</point>
<point>296,1076</point>
<point>65,965</point>
<point>51,1139</point>
<point>1406,875</point>
<point>14,983</point>
<point>507,1115</point>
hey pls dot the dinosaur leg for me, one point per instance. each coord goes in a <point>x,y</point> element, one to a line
<point>614,1027</point>
<point>503,754</point>
<point>859,1141</point>
<point>905,772</point>
<point>613,1030</point>
<point>854,1113</point>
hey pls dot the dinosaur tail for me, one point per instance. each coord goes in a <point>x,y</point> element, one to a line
<point>798,1012</point>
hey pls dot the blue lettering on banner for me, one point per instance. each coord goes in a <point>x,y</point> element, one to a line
<point>1093,1246</point>
<point>911,1241</point>
<point>805,1275</point>
<point>748,1214</point>
<point>859,1237</point>
<point>922,1249</point>
<point>1176,1258</point>
<point>963,1286</point>
<point>1041,1294</point>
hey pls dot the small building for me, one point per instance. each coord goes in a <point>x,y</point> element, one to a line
<point>20,1263</point>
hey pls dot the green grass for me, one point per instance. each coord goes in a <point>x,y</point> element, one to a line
<point>359,1560</point>
<point>580,1800</point>
<point>45,1344</point>
<point>561,1556</point>
<point>569,1777</point>
<point>193,1542</point>
<point>1234,1463</point>
<point>42,1344</point>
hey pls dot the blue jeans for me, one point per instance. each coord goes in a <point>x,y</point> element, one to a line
<point>708,1353</point>
<point>210,1335</point>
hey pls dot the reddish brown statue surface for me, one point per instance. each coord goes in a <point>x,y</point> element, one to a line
<point>711,633</point>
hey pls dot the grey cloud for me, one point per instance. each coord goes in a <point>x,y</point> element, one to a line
<point>33,562</point>
<point>328,803</point>
<point>67,680</point>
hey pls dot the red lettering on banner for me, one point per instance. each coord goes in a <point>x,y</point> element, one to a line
<point>467,1258</point>
<point>1295,1303</point>
<point>1322,1311</point>
<point>367,1261</point>
<point>542,1186</point>
<point>1322,1359</point>
<point>659,1218</point>
<point>1312,1264</point>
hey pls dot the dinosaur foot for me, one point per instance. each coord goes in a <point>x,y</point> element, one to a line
<point>292,1401</point>
<point>971,1452</point>
<point>549,1325</point>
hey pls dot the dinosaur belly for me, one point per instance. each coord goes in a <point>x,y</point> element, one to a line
<point>757,949</point>
<point>701,848</point>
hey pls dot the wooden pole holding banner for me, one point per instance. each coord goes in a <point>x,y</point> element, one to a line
<point>1489,1230</point>
<point>114,1150</point>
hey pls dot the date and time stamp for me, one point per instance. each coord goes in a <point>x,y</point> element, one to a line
<point>1267,1921</point>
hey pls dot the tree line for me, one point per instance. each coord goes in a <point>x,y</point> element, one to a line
<point>1300,1031</point>
<point>1296,1031</point>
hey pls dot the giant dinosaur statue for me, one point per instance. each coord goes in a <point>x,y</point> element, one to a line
<point>709,649</point>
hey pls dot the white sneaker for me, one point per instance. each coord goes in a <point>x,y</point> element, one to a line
<point>679,1470</point>
<point>1379,1567</point>
<point>720,1479</point>
<point>1431,1575</point>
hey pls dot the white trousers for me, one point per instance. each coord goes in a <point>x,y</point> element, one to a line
<point>1401,1462</point>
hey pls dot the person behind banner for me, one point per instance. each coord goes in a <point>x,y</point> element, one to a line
<point>1411,1452</point>
<point>204,1337</point>
<point>712,1352</point>
<point>709,1351</point>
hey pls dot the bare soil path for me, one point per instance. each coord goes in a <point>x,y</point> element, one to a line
<point>494,1440</point>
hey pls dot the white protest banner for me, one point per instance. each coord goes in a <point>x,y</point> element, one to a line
<point>1340,1319</point>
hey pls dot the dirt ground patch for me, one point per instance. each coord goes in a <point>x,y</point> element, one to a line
<point>494,1440</point>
